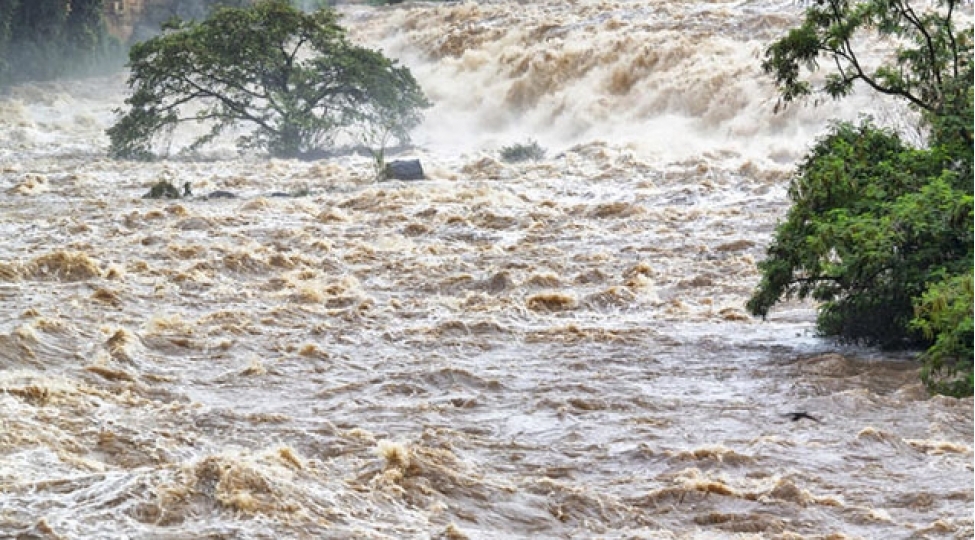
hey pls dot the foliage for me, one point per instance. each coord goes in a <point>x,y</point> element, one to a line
<point>931,67</point>
<point>944,315</point>
<point>881,233</point>
<point>872,223</point>
<point>45,39</point>
<point>530,150</point>
<point>291,76</point>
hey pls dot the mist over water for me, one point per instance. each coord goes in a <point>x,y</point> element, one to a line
<point>669,80</point>
<point>556,349</point>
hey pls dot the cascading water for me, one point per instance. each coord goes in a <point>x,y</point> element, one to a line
<point>555,349</point>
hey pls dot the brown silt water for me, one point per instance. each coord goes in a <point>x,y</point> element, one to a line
<point>548,349</point>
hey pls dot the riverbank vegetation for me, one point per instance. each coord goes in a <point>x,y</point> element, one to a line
<point>880,232</point>
<point>49,39</point>
<point>290,76</point>
<point>46,39</point>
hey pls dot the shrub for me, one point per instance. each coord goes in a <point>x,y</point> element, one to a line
<point>872,224</point>
<point>530,150</point>
<point>944,315</point>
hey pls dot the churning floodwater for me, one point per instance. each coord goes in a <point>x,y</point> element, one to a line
<point>553,349</point>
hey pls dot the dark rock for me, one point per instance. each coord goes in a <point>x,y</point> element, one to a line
<point>407,169</point>
<point>162,190</point>
<point>221,194</point>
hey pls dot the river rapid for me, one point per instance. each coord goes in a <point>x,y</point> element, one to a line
<point>552,349</point>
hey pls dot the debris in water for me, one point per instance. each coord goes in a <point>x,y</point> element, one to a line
<point>796,416</point>
<point>164,189</point>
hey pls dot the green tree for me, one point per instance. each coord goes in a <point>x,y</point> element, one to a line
<point>290,76</point>
<point>881,233</point>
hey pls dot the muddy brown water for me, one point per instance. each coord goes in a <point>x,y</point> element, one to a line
<point>554,349</point>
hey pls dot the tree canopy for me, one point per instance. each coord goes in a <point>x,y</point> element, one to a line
<point>879,232</point>
<point>292,77</point>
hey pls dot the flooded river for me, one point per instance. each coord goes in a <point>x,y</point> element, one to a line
<point>553,349</point>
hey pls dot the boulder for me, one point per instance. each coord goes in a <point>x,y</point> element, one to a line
<point>407,169</point>
<point>163,189</point>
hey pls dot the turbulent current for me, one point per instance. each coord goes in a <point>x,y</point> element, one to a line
<point>554,349</point>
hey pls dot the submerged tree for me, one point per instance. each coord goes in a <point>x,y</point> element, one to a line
<point>881,233</point>
<point>290,76</point>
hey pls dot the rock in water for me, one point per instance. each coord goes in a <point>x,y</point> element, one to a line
<point>162,190</point>
<point>407,169</point>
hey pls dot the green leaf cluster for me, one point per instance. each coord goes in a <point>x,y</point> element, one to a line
<point>880,233</point>
<point>291,76</point>
<point>872,223</point>
<point>944,316</point>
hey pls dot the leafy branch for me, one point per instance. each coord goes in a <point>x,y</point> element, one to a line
<point>931,61</point>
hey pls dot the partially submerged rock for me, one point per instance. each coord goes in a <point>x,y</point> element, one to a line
<point>164,189</point>
<point>406,169</point>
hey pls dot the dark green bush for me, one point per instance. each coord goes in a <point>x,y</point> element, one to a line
<point>530,150</point>
<point>873,222</point>
<point>944,315</point>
